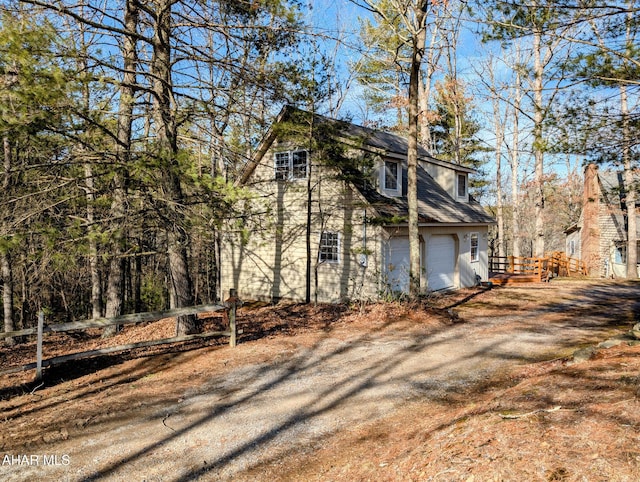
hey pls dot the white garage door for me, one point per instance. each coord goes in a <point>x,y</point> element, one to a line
<point>397,264</point>
<point>441,262</point>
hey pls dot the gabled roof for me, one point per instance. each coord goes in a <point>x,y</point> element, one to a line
<point>372,140</point>
<point>392,145</point>
<point>613,185</point>
<point>435,205</point>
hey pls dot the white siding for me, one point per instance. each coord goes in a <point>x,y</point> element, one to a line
<point>271,262</point>
<point>466,273</point>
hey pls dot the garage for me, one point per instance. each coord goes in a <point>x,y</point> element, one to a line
<point>441,262</point>
<point>397,264</point>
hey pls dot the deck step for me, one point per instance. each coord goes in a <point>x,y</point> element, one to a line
<point>506,278</point>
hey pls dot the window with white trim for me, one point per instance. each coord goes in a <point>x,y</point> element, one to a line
<point>299,165</point>
<point>462,185</point>
<point>291,165</point>
<point>282,166</point>
<point>329,247</point>
<point>620,252</point>
<point>390,179</point>
<point>475,247</point>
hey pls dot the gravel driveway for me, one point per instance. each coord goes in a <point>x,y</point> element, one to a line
<point>259,412</point>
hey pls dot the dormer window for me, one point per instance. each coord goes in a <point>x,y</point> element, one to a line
<point>291,165</point>
<point>462,185</point>
<point>391,176</point>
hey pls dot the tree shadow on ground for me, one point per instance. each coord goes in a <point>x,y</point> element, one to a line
<point>272,378</point>
<point>344,389</point>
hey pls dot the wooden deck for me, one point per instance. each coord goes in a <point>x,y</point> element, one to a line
<point>510,269</point>
<point>513,278</point>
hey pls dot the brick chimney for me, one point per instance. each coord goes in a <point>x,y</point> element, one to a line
<point>590,234</point>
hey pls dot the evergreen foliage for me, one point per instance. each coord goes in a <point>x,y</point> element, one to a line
<point>62,72</point>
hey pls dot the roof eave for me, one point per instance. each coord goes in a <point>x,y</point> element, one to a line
<point>438,224</point>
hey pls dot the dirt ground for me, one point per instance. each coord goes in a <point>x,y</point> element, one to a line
<point>478,385</point>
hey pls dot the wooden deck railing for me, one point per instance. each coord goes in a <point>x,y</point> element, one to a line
<point>562,265</point>
<point>554,264</point>
<point>518,265</point>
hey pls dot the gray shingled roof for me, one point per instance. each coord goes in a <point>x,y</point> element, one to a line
<point>434,204</point>
<point>384,141</point>
<point>612,183</point>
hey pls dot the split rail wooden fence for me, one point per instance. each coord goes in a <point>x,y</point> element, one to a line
<point>230,306</point>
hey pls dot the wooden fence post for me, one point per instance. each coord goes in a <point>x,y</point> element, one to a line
<point>39,346</point>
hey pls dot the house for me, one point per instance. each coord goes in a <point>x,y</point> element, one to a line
<point>333,209</point>
<point>600,236</point>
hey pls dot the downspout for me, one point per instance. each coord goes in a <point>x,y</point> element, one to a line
<point>363,261</point>
<point>364,229</point>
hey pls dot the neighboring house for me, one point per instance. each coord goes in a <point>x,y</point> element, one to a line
<point>334,209</point>
<point>600,236</point>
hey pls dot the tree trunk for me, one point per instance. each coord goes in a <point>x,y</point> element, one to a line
<point>515,166</point>
<point>499,206</point>
<point>177,239</point>
<point>5,261</point>
<point>94,264</point>
<point>181,280</point>
<point>630,184</point>
<point>6,179</point>
<point>137,284</point>
<point>418,42</point>
<point>7,295</point>
<point>310,264</point>
<point>89,186</point>
<point>538,142</point>
<point>499,249</point>
<point>309,260</point>
<point>115,292</point>
<point>424,93</point>
<point>455,96</point>
<point>629,188</point>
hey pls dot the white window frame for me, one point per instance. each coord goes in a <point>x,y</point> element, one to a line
<point>398,176</point>
<point>474,238</point>
<point>620,252</point>
<point>463,194</point>
<point>281,164</point>
<point>329,253</point>
<point>296,168</point>
<point>285,168</point>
